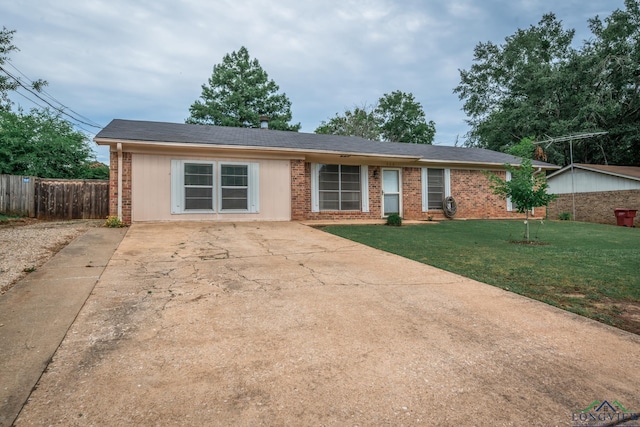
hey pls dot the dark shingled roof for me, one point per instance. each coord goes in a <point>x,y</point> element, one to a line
<point>133,130</point>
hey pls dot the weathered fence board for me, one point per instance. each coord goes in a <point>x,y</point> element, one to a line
<point>54,198</point>
<point>17,195</point>
<point>72,199</point>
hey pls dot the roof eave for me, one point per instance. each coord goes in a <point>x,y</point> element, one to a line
<point>109,141</point>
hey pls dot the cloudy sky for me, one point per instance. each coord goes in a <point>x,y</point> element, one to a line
<point>147,59</point>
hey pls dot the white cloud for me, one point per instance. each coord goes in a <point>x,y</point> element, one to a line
<point>147,59</point>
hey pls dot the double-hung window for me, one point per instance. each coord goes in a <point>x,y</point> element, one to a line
<point>435,187</point>
<point>234,187</point>
<point>209,186</point>
<point>198,186</point>
<point>339,187</point>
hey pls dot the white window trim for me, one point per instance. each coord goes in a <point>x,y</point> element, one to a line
<point>177,187</point>
<point>315,188</point>
<point>425,186</point>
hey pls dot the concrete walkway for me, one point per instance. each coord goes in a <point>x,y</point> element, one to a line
<point>37,312</point>
<point>282,324</point>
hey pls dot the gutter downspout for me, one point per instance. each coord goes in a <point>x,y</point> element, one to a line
<point>119,148</point>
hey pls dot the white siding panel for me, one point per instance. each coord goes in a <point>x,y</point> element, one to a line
<point>589,182</point>
<point>151,191</point>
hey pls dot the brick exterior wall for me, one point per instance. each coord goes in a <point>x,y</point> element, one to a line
<point>472,192</point>
<point>412,194</point>
<point>300,190</point>
<point>596,207</point>
<point>470,189</point>
<point>301,196</point>
<point>126,186</point>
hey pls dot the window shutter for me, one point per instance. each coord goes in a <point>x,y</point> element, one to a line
<point>364,184</point>
<point>315,195</point>
<point>177,189</point>
<point>425,190</point>
<point>447,182</point>
<point>254,188</point>
<point>509,203</point>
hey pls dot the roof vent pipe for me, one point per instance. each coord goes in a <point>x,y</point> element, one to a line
<point>264,122</point>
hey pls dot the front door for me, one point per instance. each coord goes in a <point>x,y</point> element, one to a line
<point>391,192</point>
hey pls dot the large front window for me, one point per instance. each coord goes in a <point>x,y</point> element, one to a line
<point>339,187</point>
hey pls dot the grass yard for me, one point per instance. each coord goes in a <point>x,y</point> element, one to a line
<point>589,269</point>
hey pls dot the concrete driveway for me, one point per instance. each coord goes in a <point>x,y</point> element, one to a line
<point>282,324</point>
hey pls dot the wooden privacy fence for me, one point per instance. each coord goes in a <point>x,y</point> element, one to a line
<point>17,195</point>
<point>54,198</point>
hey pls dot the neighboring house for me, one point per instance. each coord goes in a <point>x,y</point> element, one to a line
<point>595,191</point>
<point>170,171</point>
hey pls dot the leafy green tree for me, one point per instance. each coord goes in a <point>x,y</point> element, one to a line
<point>613,60</point>
<point>362,122</point>
<point>8,82</point>
<point>93,170</point>
<point>536,83</point>
<point>403,120</point>
<point>508,91</point>
<point>42,144</point>
<point>397,117</point>
<point>525,189</point>
<point>238,93</point>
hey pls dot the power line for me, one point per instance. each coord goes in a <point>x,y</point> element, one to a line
<point>43,107</point>
<point>58,109</point>
<point>51,97</point>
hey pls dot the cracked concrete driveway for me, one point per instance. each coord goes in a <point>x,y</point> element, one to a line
<point>282,324</point>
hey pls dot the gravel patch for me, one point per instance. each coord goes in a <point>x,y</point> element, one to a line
<point>28,244</point>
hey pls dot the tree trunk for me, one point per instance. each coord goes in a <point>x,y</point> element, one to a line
<point>526,222</point>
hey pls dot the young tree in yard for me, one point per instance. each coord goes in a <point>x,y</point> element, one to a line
<point>526,189</point>
<point>43,144</point>
<point>397,117</point>
<point>238,93</point>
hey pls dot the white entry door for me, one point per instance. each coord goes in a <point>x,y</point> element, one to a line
<point>391,192</point>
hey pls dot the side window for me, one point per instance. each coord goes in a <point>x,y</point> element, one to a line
<point>435,187</point>
<point>234,187</point>
<point>198,186</point>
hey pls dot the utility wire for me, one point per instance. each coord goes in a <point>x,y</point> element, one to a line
<point>43,107</point>
<point>51,96</point>
<point>37,95</point>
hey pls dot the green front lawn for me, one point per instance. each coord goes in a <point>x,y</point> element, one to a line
<point>589,269</point>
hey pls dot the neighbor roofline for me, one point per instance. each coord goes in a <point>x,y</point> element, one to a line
<point>581,166</point>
